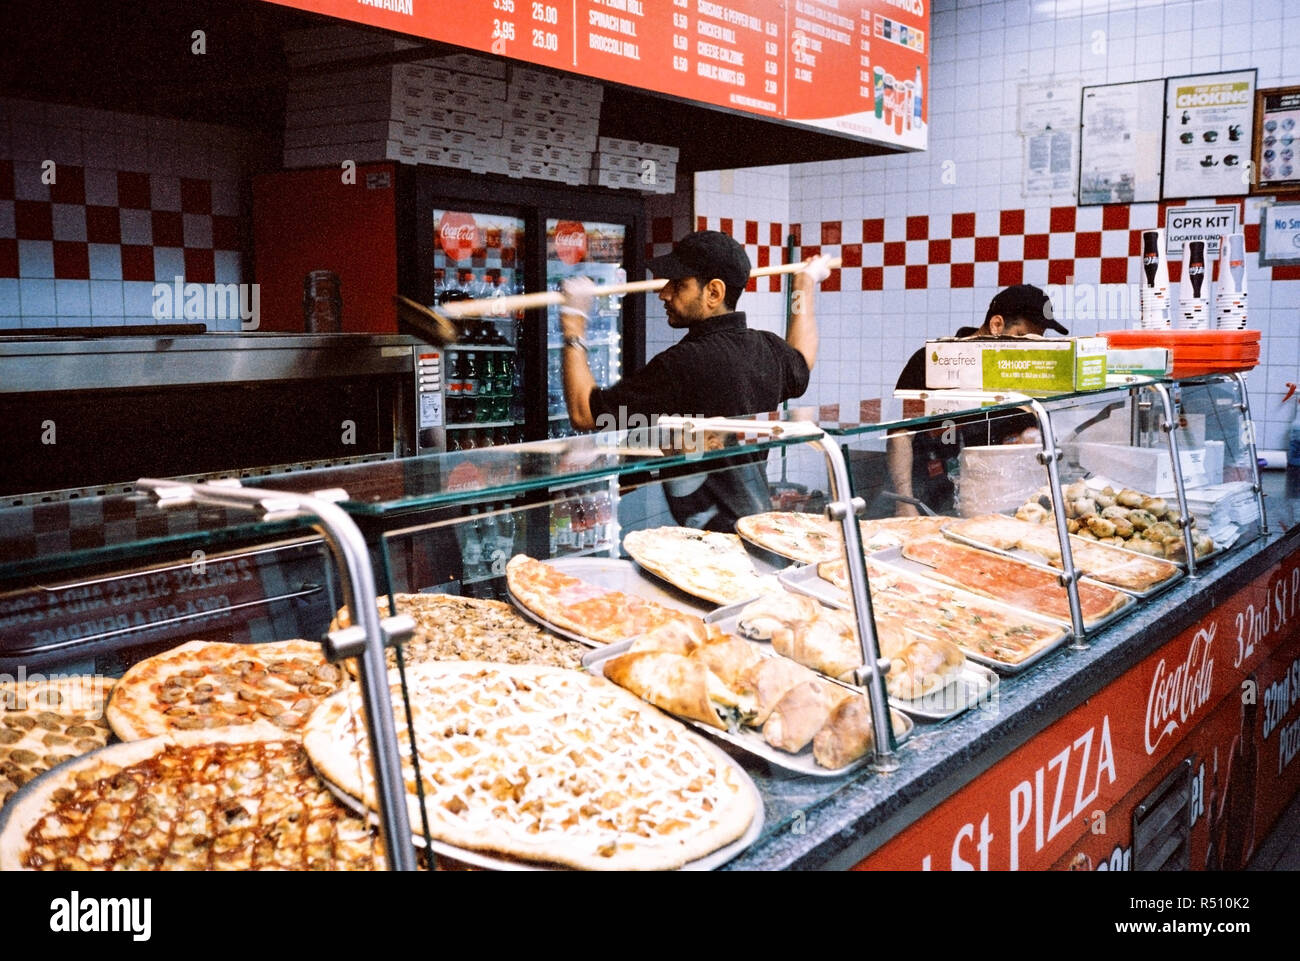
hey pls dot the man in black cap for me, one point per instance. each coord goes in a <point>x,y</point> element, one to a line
<point>919,462</point>
<point>721,368</point>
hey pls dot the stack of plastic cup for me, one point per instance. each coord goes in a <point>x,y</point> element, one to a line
<point>1194,288</point>
<point>1154,300</point>
<point>1230,285</point>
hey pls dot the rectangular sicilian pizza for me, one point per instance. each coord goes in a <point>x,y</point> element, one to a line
<point>1010,581</point>
<point>1120,568</point>
<point>928,609</point>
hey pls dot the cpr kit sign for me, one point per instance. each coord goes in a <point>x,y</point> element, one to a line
<point>1198,223</point>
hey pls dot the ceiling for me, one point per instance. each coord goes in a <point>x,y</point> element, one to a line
<point>136,56</point>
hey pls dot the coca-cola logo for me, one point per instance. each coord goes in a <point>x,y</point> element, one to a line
<point>1178,694</point>
<point>571,241</point>
<point>457,234</point>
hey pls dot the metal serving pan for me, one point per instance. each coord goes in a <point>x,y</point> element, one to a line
<point>750,740</point>
<point>894,558</point>
<point>805,580</point>
<point>1034,560</point>
<point>973,686</point>
<point>615,575</point>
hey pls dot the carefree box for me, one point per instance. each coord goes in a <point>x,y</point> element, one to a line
<point>1041,364</point>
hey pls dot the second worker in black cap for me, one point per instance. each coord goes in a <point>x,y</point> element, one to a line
<point>919,462</point>
<point>721,368</point>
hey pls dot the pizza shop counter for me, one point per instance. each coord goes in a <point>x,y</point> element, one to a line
<point>818,823</point>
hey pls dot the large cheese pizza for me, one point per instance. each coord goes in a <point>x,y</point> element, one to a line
<point>547,765</point>
<point>200,685</point>
<point>450,628</point>
<point>191,800</point>
<point>46,722</point>
<point>584,609</point>
<point>704,564</point>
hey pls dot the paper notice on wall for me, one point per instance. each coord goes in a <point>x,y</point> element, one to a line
<point>1119,146</point>
<point>1048,124</point>
<point>1209,121</point>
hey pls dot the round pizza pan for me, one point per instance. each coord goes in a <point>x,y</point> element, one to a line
<point>493,862</point>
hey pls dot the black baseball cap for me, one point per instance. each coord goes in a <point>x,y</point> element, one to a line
<point>1025,301</point>
<point>705,254</point>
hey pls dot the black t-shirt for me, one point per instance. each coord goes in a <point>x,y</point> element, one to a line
<point>721,368</point>
<point>935,452</point>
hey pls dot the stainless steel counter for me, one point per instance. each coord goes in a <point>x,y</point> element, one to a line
<point>38,365</point>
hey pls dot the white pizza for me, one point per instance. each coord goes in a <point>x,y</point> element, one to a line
<point>546,765</point>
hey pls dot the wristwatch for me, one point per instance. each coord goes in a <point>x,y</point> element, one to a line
<point>571,341</point>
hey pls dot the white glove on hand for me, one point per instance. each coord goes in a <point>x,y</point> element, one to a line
<point>576,310</point>
<point>818,269</point>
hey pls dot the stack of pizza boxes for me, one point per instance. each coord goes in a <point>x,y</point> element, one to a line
<point>638,166</point>
<point>551,127</point>
<point>462,111</point>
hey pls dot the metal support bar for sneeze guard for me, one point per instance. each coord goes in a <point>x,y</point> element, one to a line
<point>1169,425</point>
<point>1244,407</point>
<point>1069,577</point>
<point>844,508</point>
<point>349,551</point>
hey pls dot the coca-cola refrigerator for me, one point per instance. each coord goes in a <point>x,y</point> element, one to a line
<point>501,382</point>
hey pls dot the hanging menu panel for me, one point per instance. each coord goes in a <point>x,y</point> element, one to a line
<point>857,68</point>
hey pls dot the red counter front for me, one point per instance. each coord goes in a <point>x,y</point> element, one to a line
<point>1220,698</point>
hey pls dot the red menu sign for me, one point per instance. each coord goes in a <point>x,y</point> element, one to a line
<point>852,67</point>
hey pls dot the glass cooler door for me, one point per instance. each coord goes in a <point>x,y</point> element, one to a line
<point>595,250</point>
<point>478,255</point>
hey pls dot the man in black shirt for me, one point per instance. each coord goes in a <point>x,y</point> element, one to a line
<point>721,368</point>
<point>919,461</point>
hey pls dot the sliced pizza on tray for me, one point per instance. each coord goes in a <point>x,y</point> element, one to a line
<point>1125,569</point>
<point>985,630</point>
<point>809,538</point>
<point>1010,581</point>
<point>705,564</point>
<point>585,610</point>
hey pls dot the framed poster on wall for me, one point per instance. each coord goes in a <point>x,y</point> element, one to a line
<point>1279,235</point>
<point>1277,141</point>
<point>1119,143</point>
<point>1209,120</point>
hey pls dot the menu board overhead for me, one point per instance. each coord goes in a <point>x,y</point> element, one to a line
<point>857,68</point>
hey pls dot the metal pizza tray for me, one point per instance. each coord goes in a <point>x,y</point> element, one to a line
<point>971,687</point>
<point>615,575</point>
<point>492,862</point>
<point>1034,560</point>
<point>750,741</point>
<point>895,558</point>
<point>806,581</point>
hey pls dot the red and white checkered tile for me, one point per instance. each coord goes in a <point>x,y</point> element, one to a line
<point>88,247</point>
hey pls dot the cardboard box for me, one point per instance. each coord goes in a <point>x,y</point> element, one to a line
<point>1147,361</point>
<point>1026,364</point>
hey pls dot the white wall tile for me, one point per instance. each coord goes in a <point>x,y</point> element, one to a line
<point>10,303</point>
<point>72,297</point>
<point>37,297</point>
<point>69,221</point>
<point>106,298</point>
<point>36,259</point>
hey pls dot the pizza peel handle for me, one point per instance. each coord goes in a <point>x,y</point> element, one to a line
<point>488,306</point>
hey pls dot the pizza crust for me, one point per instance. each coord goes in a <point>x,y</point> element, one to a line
<point>506,749</point>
